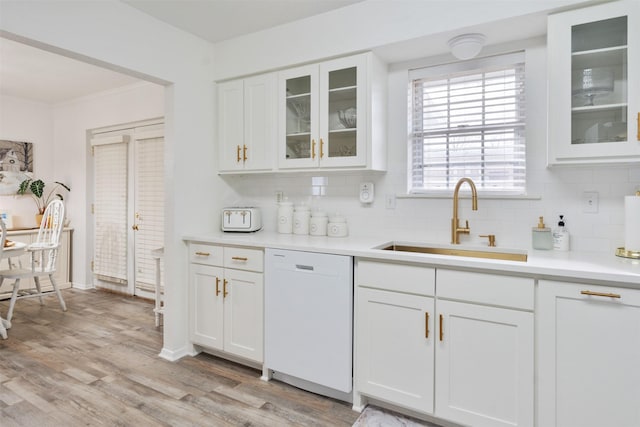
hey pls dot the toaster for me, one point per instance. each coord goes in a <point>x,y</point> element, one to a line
<point>241,219</point>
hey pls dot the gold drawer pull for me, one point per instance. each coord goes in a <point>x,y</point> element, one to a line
<point>441,330</point>
<point>217,286</point>
<point>224,288</point>
<point>600,294</point>
<point>426,324</point>
<point>238,158</point>
<point>203,253</point>
<point>244,153</point>
<point>239,258</point>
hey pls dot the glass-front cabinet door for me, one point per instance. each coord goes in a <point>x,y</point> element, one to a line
<point>594,84</point>
<point>298,103</point>
<point>321,113</point>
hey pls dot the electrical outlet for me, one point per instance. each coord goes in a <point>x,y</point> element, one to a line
<point>279,196</point>
<point>390,201</point>
<point>590,202</point>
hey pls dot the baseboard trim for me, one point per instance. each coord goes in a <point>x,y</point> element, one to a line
<point>173,355</point>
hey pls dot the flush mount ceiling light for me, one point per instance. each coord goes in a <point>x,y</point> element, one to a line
<point>466,46</point>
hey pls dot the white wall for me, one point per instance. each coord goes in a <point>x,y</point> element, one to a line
<point>551,191</point>
<point>25,120</point>
<point>110,33</point>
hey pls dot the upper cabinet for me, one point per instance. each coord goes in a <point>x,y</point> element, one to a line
<point>332,115</point>
<point>247,124</point>
<point>594,84</point>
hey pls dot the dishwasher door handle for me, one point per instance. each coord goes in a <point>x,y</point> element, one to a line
<point>304,267</point>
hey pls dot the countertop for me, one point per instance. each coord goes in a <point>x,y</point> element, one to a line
<point>584,267</point>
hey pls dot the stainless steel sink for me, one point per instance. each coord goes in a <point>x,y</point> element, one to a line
<point>489,253</point>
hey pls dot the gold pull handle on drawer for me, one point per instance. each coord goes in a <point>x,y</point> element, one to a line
<point>426,324</point>
<point>244,153</point>
<point>224,288</point>
<point>239,258</point>
<point>600,294</point>
<point>202,253</point>
<point>217,286</point>
<point>441,328</point>
<point>238,158</point>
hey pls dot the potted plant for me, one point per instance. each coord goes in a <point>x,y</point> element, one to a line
<point>41,198</point>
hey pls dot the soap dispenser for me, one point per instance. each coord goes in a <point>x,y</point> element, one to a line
<point>561,236</point>
<point>541,237</point>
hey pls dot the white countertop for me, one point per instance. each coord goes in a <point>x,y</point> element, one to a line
<point>585,267</point>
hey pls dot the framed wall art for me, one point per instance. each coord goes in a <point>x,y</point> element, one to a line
<point>16,165</point>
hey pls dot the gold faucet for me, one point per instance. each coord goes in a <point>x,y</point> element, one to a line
<point>455,222</point>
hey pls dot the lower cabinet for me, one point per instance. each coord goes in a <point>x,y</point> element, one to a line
<point>395,347</point>
<point>455,345</point>
<point>484,365</point>
<point>588,355</point>
<point>227,299</point>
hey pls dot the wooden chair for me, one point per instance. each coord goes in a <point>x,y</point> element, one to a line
<point>43,253</point>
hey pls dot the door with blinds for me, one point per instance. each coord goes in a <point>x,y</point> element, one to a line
<point>128,207</point>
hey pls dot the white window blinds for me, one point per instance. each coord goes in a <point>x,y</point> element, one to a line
<point>468,119</point>
<point>149,202</point>
<point>110,208</point>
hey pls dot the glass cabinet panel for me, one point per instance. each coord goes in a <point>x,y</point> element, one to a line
<point>342,113</point>
<point>298,118</point>
<point>599,79</point>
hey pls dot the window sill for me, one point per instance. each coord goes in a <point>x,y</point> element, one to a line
<point>466,195</point>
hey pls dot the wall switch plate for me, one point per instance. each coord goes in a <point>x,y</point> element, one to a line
<point>590,202</point>
<point>390,201</point>
<point>366,192</point>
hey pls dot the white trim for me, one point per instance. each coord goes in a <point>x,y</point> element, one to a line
<point>106,140</point>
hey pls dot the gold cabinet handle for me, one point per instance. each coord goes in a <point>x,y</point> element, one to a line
<point>217,286</point>
<point>441,330</point>
<point>239,258</point>
<point>321,146</point>
<point>600,294</point>
<point>134,227</point>
<point>313,148</point>
<point>426,324</point>
<point>244,152</point>
<point>224,288</point>
<point>203,253</point>
<point>238,153</point>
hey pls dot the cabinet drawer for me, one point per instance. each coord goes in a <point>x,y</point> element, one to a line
<point>408,278</point>
<point>491,289</point>
<point>244,259</point>
<point>205,254</point>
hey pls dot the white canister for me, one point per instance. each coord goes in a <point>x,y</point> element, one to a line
<point>301,216</point>
<point>337,227</point>
<point>285,217</point>
<point>318,223</point>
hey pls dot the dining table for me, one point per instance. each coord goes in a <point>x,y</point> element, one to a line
<point>15,250</point>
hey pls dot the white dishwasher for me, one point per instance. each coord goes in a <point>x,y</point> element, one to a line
<point>309,320</point>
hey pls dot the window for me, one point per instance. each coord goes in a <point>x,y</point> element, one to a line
<point>468,119</point>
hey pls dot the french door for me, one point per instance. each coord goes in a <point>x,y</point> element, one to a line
<point>128,207</point>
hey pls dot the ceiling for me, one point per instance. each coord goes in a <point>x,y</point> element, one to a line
<point>31,73</point>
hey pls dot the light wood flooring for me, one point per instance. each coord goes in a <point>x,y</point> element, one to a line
<point>97,365</point>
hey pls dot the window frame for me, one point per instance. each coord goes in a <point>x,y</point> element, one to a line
<point>452,70</point>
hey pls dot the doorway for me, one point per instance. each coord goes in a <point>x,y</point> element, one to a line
<point>128,206</point>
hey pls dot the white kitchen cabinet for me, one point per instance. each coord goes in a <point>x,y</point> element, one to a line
<point>468,357</point>
<point>395,336</point>
<point>332,115</point>
<point>588,352</point>
<point>62,276</point>
<point>594,84</point>
<point>247,124</point>
<point>226,299</point>
<point>484,353</point>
